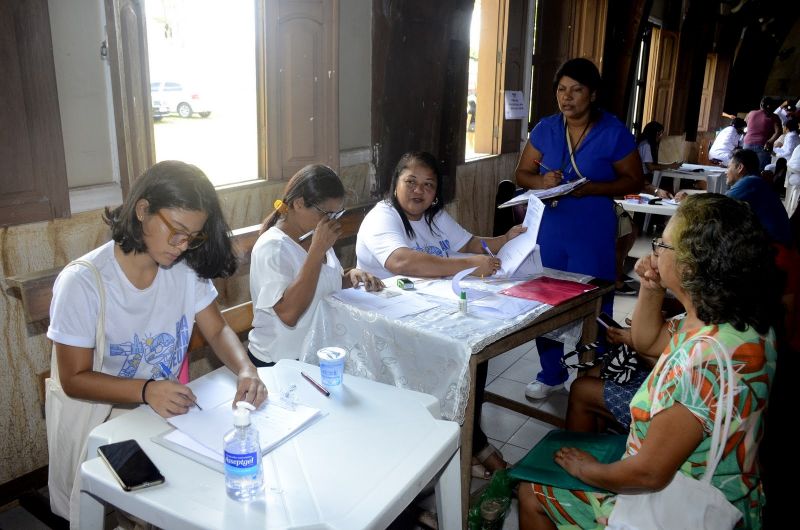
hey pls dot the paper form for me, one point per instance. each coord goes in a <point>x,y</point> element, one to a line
<point>389,303</point>
<point>548,193</point>
<point>520,256</point>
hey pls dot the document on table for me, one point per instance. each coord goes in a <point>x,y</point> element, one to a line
<point>548,193</point>
<point>501,307</point>
<point>520,256</point>
<point>389,303</point>
<point>202,431</point>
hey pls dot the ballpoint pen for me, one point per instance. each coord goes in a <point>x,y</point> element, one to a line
<point>305,236</point>
<point>486,248</point>
<point>322,389</point>
<point>166,372</point>
<point>539,163</point>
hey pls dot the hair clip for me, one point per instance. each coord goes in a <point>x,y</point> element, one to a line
<point>280,206</point>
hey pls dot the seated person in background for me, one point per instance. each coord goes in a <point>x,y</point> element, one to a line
<point>735,301</point>
<point>727,141</point>
<point>289,277</point>
<point>411,234</point>
<point>790,141</point>
<point>647,143</point>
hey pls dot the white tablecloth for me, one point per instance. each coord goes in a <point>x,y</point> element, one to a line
<point>428,352</point>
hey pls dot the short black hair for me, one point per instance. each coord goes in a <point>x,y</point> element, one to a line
<point>175,184</point>
<point>791,124</point>
<point>581,70</point>
<point>738,123</point>
<point>749,159</point>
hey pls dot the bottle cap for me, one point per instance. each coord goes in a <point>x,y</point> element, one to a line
<point>241,416</point>
<point>463,294</point>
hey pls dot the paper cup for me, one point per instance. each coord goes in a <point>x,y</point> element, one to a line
<point>331,365</point>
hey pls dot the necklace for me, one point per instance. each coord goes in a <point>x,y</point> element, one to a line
<point>569,151</point>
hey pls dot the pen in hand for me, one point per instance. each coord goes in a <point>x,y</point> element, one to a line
<point>305,236</point>
<point>324,391</point>
<point>486,248</point>
<point>166,372</point>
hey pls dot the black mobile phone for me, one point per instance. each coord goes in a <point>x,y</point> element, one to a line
<point>607,322</point>
<point>130,465</point>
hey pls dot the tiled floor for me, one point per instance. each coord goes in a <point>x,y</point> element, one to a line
<point>514,434</point>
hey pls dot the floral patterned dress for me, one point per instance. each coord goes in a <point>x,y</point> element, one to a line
<point>691,380</point>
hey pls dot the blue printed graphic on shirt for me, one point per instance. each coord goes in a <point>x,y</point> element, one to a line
<point>162,348</point>
<point>442,250</point>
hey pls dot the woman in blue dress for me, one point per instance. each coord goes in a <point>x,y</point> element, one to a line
<point>579,230</point>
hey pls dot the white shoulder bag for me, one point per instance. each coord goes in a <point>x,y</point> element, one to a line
<point>687,502</point>
<point>69,422</point>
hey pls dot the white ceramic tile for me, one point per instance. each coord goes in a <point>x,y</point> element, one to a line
<point>499,364</point>
<point>512,518</point>
<point>499,423</point>
<point>530,433</point>
<point>523,371</point>
<point>513,454</point>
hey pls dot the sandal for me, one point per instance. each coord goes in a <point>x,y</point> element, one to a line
<point>487,453</point>
<point>478,470</point>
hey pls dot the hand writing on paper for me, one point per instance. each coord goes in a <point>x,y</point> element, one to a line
<point>486,265</point>
<point>647,269</point>
<point>572,460</point>
<point>169,398</point>
<point>552,178</point>
<point>250,388</point>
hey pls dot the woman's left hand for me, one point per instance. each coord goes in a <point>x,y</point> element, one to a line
<point>514,231</point>
<point>663,194</point>
<point>572,460</point>
<point>371,283</point>
<point>250,387</point>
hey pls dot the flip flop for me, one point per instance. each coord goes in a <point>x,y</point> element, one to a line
<point>487,452</point>
<point>478,470</point>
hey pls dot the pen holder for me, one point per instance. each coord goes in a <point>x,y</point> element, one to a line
<point>331,365</point>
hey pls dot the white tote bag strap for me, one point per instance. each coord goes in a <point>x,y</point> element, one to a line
<point>724,406</point>
<point>571,151</point>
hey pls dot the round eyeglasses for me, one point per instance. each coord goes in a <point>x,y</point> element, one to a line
<point>177,238</point>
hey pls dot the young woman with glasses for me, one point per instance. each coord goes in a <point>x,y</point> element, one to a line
<point>169,239</point>
<point>293,265</point>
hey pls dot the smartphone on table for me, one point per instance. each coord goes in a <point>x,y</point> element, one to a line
<point>130,465</point>
<point>606,321</point>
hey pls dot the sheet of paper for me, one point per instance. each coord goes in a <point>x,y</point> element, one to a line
<point>561,189</point>
<point>521,251</point>
<point>390,303</point>
<point>446,289</point>
<point>501,307</point>
<point>411,305</point>
<point>455,283</point>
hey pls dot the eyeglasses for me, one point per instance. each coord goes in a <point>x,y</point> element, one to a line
<point>331,215</point>
<point>412,184</point>
<point>177,238</point>
<point>657,244</point>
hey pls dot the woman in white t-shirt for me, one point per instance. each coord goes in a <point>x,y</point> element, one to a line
<point>647,144</point>
<point>411,234</point>
<point>293,265</point>
<point>169,239</point>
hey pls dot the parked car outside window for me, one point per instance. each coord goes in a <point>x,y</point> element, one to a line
<point>179,99</point>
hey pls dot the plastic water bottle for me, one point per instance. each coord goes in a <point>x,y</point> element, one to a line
<point>244,474</point>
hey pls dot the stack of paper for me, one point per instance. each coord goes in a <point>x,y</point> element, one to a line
<point>201,432</point>
<point>547,193</point>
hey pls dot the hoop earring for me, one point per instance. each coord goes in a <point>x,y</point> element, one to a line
<point>435,201</point>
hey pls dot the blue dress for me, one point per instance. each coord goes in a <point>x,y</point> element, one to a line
<point>579,234</point>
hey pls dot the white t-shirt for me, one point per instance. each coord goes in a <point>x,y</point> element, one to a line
<point>646,154</point>
<point>274,264</point>
<point>790,142</point>
<point>144,327</point>
<point>382,233</point>
<point>724,144</point>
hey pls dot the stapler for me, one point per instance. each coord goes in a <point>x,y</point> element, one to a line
<point>654,200</point>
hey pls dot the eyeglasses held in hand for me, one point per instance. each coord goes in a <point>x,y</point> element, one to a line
<point>331,215</point>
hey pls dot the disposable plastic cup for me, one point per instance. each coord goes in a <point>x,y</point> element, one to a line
<point>331,365</point>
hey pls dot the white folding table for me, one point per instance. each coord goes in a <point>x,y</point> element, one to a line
<point>713,175</point>
<point>359,466</point>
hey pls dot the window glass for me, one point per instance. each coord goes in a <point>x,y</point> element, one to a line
<point>201,55</point>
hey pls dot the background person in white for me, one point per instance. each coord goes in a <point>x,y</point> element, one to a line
<point>169,240</point>
<point>288,278</point>
<point>728,140</point>
<point>411,234</point>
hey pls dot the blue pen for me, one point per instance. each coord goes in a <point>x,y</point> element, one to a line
<point>166,372</point>
<point>486,248</point>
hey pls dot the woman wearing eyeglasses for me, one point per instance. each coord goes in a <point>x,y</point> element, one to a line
<point>293,265</point>
<point>410,233</point>
<point>169,239</point>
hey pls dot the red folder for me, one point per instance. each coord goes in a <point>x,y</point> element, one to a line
<point>548,290</point>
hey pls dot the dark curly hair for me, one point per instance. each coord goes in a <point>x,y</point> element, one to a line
<point>429,161</point>
<point>315,183</point>
<point>175,184</point>
<point>727,265</point>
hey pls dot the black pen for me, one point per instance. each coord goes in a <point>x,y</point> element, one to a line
<point>322,389</point>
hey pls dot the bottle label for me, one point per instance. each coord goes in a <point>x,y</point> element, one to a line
<point>241,464</point>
